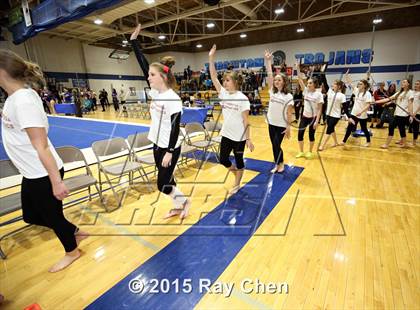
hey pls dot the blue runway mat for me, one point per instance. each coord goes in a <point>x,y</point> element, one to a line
<point>205,250</point>
<point>81,133</point>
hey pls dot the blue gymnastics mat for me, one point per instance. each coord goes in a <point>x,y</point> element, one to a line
<point>81,133</point>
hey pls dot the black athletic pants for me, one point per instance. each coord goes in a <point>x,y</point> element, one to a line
<point>400,122</point>
<point>276,137</point>
<point>416,127</point>
<point>304,122</point>
<point>331,123</point>
<point>351,128</point>
<point>226,147</point>
<point>165,174</point>
<point>40,207</point>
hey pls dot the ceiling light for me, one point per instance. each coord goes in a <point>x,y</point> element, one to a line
<point>243,35</point>
<point>199,46</point>
<point>161,37</point>
<point>210,25</point>
<point>149,1</point>
<point>300,29</point>
<point>279,11</point>
<point>98,21</point>
<point>377,21</point>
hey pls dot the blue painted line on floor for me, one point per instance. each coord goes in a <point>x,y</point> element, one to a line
<point>206,249</point>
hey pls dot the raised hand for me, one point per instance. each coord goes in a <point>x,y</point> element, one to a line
<point>212,51</point>
<point>268,55</point>
<point>136,32</point>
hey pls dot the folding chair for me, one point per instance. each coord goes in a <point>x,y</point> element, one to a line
<point>78,183</point>
<point>138,142</point>
<point>195,129</point>
<point>112,148</point>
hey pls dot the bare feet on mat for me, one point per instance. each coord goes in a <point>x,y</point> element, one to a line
<point>66,261</point>
<point>280,168</point>
<point>234,190</point>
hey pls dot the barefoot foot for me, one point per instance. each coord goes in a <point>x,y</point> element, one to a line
<point>185,210</point>
<point>66,261</point>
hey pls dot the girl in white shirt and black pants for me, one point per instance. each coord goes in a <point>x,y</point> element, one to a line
<point>165,111</point>
<point>279,114</point>
<point>362,102</point>
<point>24,135</point>
<point>235,130</point>
<point>312,109</point>
<point>335,100</point>
<point>403,112</point>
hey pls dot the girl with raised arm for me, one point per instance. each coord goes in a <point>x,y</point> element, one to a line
<point>362,101</point>
<point>312,109</point>
<point>165,111</point>
<point>279,112</point>
<point>236,128</point>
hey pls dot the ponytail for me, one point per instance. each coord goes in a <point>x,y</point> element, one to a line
<point>20,69</point>
<point>165,69</point>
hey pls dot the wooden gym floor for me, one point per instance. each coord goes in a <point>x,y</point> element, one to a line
<point>353,246</point>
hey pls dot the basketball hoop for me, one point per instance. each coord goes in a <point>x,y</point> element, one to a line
<point>119,55</point>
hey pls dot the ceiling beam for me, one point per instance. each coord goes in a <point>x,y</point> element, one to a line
<point>246,15</point>
<point>293,22</point>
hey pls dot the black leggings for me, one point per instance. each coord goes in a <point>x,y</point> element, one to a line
<point>40,207</point>
<point>400,122</point>
<point>351,128</point>
<point>165,174</point>
<point>331,123</point>
<point>227,146</point>
<point>304,122</point>
<point>276,137</point>
<point>416,127</point>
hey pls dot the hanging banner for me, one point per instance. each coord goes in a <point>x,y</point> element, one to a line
<point>26,13</point>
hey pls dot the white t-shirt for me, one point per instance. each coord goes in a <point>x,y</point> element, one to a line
<point>24,109</point>
<point>416,102</point>
<point>162,107</point>
<point>360,102</point>
<point>311,100</point>
<point>232,107</point>
<point>335,102</point>
<point>277,109</point>
<point>403,101</point>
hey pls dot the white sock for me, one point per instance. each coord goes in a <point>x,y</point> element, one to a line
<point>178,198</point>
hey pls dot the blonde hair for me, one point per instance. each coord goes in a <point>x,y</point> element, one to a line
<point>236,77</point>
<point>164,68</point>
<point>20,69</point>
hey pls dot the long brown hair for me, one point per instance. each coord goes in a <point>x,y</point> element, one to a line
<point>285,84</point>
<point>164,67</point>
<point>402,91</point>
<point>341,86</point>
<point>20,69</point>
